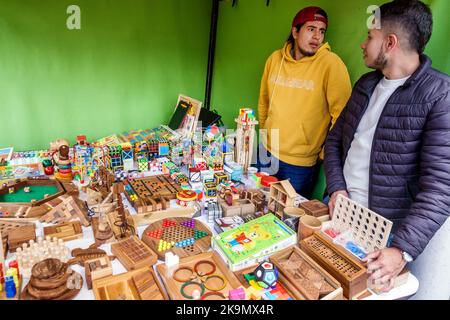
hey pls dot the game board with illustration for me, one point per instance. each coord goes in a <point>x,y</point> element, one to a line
<point>253,241</point>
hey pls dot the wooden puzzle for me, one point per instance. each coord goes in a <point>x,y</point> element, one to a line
<point>102,230</point>
<point>20,235</point>
<point>66,231</point>
<point>97,268</point>
<point>65,211</point>
<point>281,195</point>
<point>205,272</point>
<point>133,253</point>
<point>183,237</point>
<point>338,262</point>
<point>305,276</point>
<point>151,193</point>
<point>80,256</point>
<point>315,208</point>
<point>52,279</point>
<point>140,284</point>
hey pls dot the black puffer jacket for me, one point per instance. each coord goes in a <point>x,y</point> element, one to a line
<point>409,178</point>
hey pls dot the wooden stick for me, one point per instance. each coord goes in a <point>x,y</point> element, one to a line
<point>2,252</point>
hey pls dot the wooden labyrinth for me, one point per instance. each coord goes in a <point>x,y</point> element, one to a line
<point>151,193</point>
<point>182,236</point>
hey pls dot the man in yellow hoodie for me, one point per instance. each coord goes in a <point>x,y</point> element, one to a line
<point>304,88</point>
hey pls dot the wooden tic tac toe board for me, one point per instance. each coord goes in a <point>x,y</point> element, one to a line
<point>182,236</point>
<point>174,287</point>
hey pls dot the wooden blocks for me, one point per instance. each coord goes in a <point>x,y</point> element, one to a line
<point>65,211</point>
<point>140,284</point>
<point>315,208</point>
<point>21,235</point>
<point>97,268</point>
<point>304,277</point>
<point>66,231</point>
<point>351,274</point>
<point>133,253</point>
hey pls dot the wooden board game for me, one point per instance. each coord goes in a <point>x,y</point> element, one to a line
<point>66,231</point>
<point>33,192</point>
<point>182,236</point>
<point>140,284</point>
<point>151,193</point>
<point>351,274</point>
<point>133,253</point>
<point>304,276</point>
<point>174,287</point>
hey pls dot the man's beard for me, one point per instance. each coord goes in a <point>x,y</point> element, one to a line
<point>380,62</point>
<point>306,53</point>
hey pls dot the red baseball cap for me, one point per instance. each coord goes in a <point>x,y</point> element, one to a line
<point>310,14</point>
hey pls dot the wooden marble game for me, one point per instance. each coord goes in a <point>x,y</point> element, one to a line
<point>304,277</point>
<point>33,252</point>
<point>207,269</point>
<point>133,253</point>
<point>182,236</point>
<point>151,193</point>
<point>140,284</point>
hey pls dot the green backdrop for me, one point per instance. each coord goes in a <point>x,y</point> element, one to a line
<point>123,70</point>
<point>126,66</point>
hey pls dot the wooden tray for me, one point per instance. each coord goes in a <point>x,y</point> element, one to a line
<point>133,253</point>
<point>351,274</point>
<point>294,285</point>
<point>173,287</point>
<point>173,231</point>
<point>140,284</point>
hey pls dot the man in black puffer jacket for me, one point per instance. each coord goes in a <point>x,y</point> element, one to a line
<point>390,148</point>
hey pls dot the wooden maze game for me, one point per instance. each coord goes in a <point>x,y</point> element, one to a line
<point>182,236</point>
<point>205,272</point>
<point>338,262</point>
<point>151,193</point>
<point>133,253</point>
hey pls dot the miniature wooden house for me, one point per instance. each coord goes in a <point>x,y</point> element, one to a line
<point>282,195</point>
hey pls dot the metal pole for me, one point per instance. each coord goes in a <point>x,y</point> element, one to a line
<point>211,53</point>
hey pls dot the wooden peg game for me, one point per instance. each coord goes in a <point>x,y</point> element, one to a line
<point>225,279</point>
<point>140,284</point>
<point>133,253</point>
<point>182,236</point>
<point>66,231</point>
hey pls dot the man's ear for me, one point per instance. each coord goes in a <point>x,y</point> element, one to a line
<point>294,32</point>
<point>392,42</point>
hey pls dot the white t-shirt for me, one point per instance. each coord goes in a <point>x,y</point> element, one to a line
<point>356,167</point>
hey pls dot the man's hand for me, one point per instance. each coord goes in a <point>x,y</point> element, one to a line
<point>332,201</point>
<point>384,266</point>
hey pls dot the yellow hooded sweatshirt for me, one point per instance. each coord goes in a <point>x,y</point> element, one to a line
<point>302,99</point>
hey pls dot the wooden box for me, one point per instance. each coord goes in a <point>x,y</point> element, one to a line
<point>20,235</point>
<point>304,277</point>
<point>140,284</point>
<point>66,231</point>
<point>133,253</point>
<point>351,274</point>
<point>315,208</point>
<point>173,287</point>
<point>240,207</point>
<point>97,268</point>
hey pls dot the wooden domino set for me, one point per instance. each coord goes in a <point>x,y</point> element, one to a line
<point>133,253</point>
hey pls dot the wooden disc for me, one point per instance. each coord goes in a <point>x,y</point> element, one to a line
<point>48,268</point>
<point>168,235</point>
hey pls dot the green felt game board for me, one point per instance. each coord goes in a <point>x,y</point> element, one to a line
<point>36,192</point>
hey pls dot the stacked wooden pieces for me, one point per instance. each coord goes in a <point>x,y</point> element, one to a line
<point>66,231</point>
<point>65,211</point>
<point>97,268</point>
<point>20,235</point>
